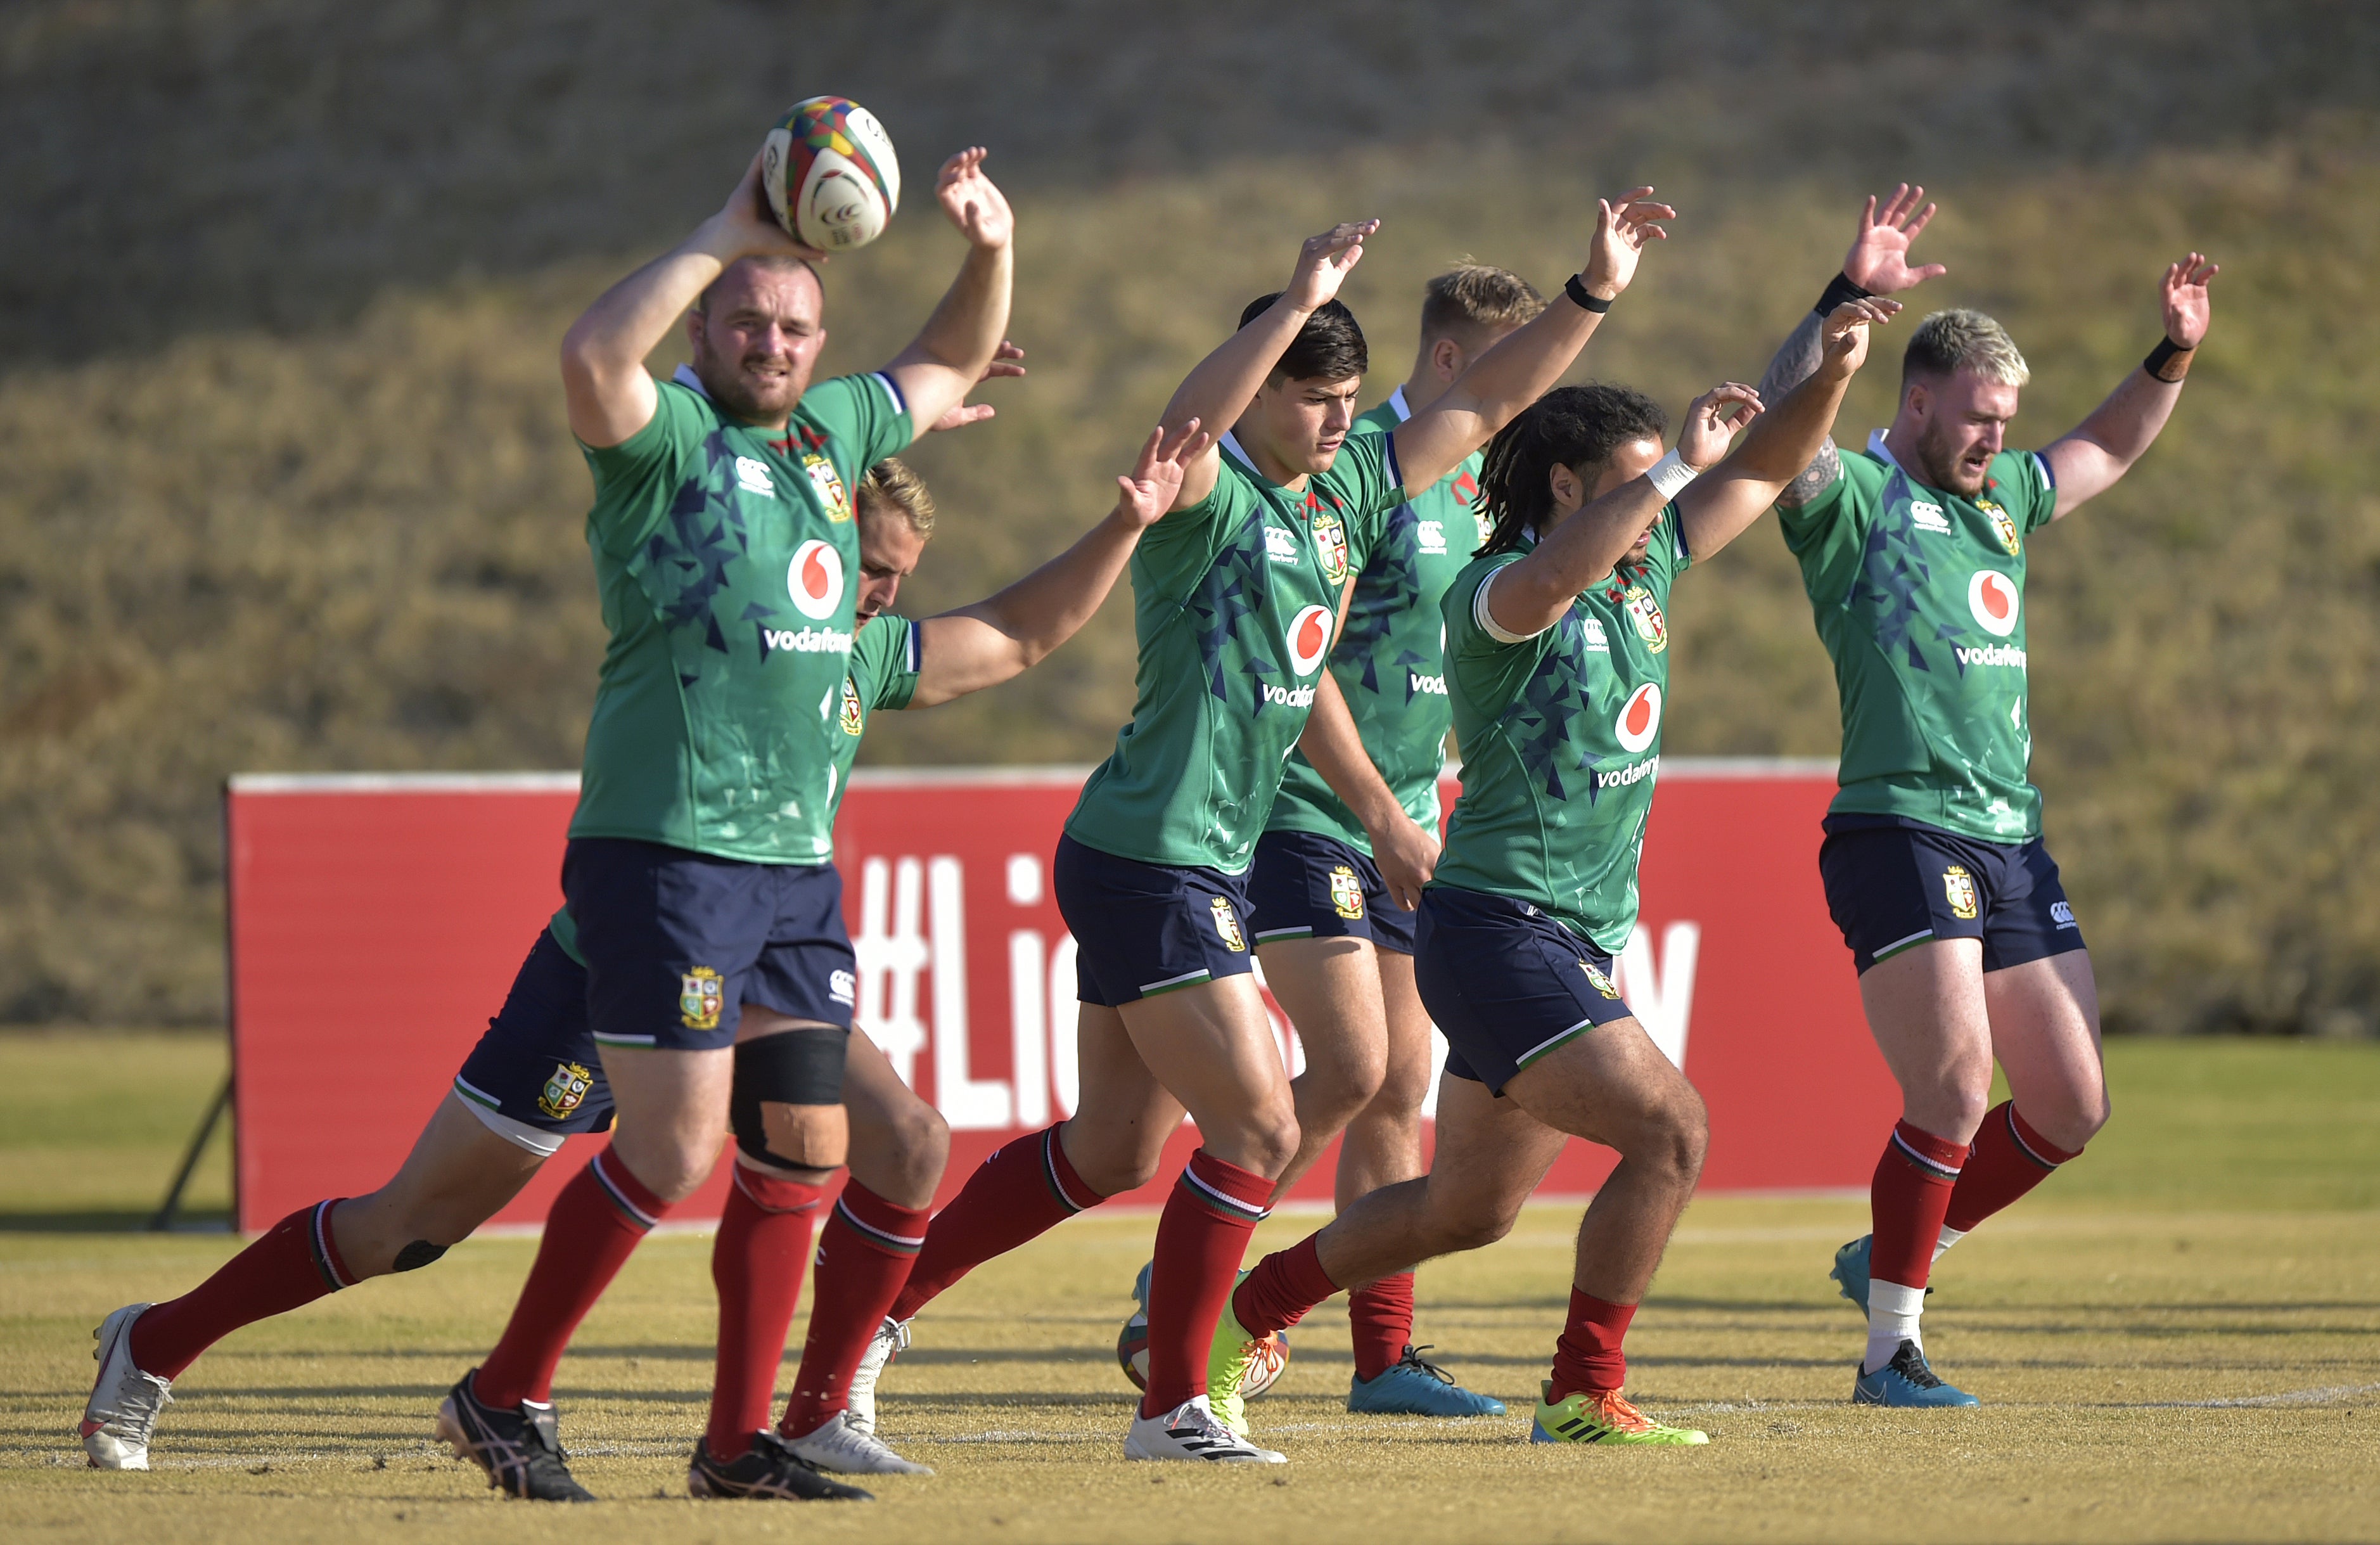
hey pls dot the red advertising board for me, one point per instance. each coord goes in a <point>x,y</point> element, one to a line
<point>377,921</point>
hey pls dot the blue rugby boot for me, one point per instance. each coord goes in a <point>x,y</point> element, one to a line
<point>1418,1387</point>
<point>1849,1271</point>
<point>1907,1382</point>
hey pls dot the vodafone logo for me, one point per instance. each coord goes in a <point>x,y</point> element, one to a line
<point>1309,640</point>
<point>1640,718</point>
<point>815,579</point>
<point>1992,596</point>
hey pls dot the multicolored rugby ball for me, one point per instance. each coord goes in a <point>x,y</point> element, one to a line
<point>1132,1356</point>
<point>831,174</point>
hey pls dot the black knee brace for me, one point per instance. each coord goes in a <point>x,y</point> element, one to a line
<point>416,1255</point>
<point>794,1067</point>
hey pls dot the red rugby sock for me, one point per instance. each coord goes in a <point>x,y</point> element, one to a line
<point>1380,1316</point>
<point>293,1263</point>
<point>755,1263</point>
<point>1201,1236</point>
<point>864,1256</point>
<point>1024,1189</point>
<point>1284,1285</point>
<point>2009,1158</point>
<point>1588,1355</point>
<point>595,1224</point>
<point>1906,1201</point>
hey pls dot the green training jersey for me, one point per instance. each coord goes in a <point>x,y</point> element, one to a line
<point>1235,603</point>
<point>1391,660</point>
<point>1562,741</point>
<point>885,659</point>
<point>729,564</point>
<point>1919,597</point>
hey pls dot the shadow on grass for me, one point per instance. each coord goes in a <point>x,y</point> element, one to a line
<point>116,1220</point>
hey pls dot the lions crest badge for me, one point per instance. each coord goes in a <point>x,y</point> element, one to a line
<point>2003,525</point>
<point>1346,893</point>
<point>853,720</point>
<point>828,483</point>
<point>1645,612</point>
<point>566,1091</point>
<point>1597,980</point>
<point>1959,889</point>
<point>1227,925</point>
<point>1331,542</point>
<point>700,997</point>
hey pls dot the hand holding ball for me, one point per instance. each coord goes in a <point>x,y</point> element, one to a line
<point>829,173</point>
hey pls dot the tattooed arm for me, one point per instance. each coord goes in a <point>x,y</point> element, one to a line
<point>1877,263</point>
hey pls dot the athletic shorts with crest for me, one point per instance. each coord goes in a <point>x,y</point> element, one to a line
<point>1305,885</point>
<point>536,1076</point>
<point>677,943</point>
<point>1893,884</point>
<point>1143,930</point>
<point>1505,982</point>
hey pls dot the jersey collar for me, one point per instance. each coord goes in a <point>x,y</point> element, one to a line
<point>1398,405</point>
<point>691,381</point>
<point>1230,445</point>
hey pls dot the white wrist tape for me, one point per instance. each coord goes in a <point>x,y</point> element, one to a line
<point>1671,474</point>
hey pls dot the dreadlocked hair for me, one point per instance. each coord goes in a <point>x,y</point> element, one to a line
<point>1577,427</point>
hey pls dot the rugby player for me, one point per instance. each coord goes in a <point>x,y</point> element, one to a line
<point>1333,933</point>
<point>1236,594</point>
<point>1557,666</point>
<point>1913,554</point>
<point>537,1076</point>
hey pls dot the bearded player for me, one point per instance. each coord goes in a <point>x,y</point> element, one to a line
<point>1914,553</point>
<point>1236,591</point>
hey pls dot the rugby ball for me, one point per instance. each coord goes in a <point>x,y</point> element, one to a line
<point>1132,1356</point>
<point>831,174</point>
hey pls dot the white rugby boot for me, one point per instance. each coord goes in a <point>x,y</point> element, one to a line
<point>841,1447</point>
<point>890,1339</point>
<point>1192,1431</point>
<point>124,1401</point>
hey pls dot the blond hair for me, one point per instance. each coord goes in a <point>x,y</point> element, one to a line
<point>890,484</point>
<point>1472,298</point>
<point>1951,341</point>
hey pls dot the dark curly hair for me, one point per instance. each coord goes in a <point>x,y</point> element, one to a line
<point>1578,427</point>
<point>1329,348</point>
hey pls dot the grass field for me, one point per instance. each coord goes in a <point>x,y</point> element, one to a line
<point>2178,1339</point>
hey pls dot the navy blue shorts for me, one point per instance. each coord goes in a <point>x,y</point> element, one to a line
<point>1305,885</point>
<point>535,1077</point>
<point>1145,928</point>
<point>1505,982</point>
<point>676,943</point>
<point>1894,887</point>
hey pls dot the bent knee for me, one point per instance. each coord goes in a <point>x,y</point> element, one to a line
<point>1469,1229</point>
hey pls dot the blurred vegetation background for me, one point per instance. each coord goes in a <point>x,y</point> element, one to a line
<point>285,482</point>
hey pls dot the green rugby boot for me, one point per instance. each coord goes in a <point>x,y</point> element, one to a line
<point>1606,1418</point>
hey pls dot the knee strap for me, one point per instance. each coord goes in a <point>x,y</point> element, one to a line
<point>794,1067</point>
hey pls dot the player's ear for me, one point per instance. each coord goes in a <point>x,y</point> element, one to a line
<point>1446,357</point>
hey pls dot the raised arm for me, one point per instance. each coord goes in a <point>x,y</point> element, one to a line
<point>1223,384</point>
<point>609,394</point>
<point>2103,447</point>
<point>1526,598</point>
<point>1714,511</point>
<point>1007,633</point>
<point>1525,365</point>
<point>1877,263</point>
<point>946,358</point>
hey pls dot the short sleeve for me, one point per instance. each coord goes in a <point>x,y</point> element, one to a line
<point>1842,509</point>
<point>1176,551</point>
<point>1363,475</point>
<point>1667,555</point>
<point>886,660</point>
<point>1470,633</point>
<point>630,477</point>
<point>2033,486</point>
<point>865,413</point>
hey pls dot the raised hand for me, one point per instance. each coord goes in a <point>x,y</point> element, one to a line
<point>1622,226</point>
<point>1324,262</point>
<point>1878,260</point>
<point>975,206</point>
<point>751,226</point>
<point>1844,334</point>
<point>1155,480</point>
<point>1712,420</point>
<point>2187,308</point>
<point>963,413</point>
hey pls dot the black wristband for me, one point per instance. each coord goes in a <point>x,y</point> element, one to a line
<point>1586,302</point>
<point>2166,352</point>
<point>1839,290</point>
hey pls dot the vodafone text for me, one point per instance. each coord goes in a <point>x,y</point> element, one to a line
<point>1991,654</point>
<point>1287,697</point>
<point>805,640</point>
<point>1635,773</point>
<point>1417,684</point>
